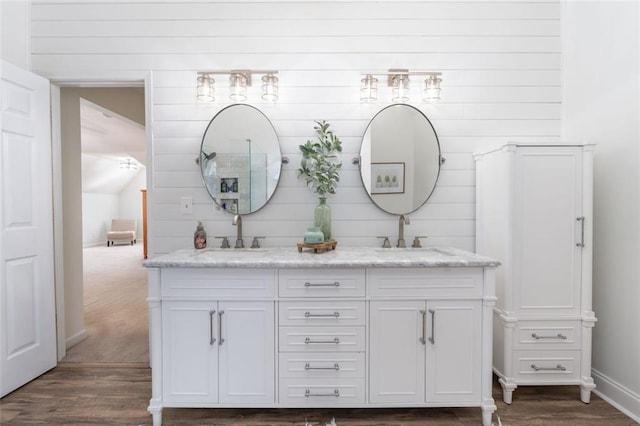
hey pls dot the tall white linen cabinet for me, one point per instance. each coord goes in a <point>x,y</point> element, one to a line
<point>534,213</point>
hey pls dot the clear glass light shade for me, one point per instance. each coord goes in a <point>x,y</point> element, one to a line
<point>431,89</point>
<point>205,87</point>
<point>238,87</point>
<point>369,89</point>
<point>270,87</point>
<point>400,88</point>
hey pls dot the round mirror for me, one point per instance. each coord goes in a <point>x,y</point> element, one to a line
<point>240,159</point>
<point>400,159</point>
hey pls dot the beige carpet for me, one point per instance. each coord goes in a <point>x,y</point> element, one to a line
<point>115,308</point>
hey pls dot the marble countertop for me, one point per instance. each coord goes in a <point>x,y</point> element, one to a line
<point>341,257</point>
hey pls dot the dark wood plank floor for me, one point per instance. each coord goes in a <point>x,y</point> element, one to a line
<point>118,394</point>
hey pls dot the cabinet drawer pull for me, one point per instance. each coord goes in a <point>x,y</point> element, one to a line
<point>423,339</point>
<point>558,367</point>
<point>581,220</point>
<point>432,339</point>
<point>333,284</point>
<point>557,336</point>
<point>212,339</point>
<point>220,339</point>
<point>307,393</point>
<point>310,315</point>
<point>308,367</point>
<point>308,341</point>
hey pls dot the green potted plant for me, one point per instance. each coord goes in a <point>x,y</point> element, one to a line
<point>320,168</point>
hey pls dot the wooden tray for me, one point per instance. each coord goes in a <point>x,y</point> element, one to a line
<point>318,247</point>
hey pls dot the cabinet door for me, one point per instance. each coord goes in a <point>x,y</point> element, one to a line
<point>189,353</point>
<point>548,230</point>
<point>397,363</point>
<point>453,350</point>
<point>247,352</point>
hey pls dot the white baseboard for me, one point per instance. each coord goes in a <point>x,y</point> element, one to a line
<point>76,338</point>
<point>617,395</point>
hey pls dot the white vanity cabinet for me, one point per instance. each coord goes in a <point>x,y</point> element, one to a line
<point>368,328</point>
<point>427,349</point>
<point>322,337</point>
<point>218,352</point>
<point>534,214</point>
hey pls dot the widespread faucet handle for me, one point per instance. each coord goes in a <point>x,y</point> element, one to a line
<point>386,243</point>
<point>255,243</point>
<point>225,242</point>
<point>416,241</point>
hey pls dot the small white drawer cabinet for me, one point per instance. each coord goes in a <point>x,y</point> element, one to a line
<point>321,337</point>
<point>534,214</point>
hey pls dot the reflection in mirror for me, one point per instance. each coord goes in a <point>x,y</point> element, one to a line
<point>399,159</point>
<point>240,159</point>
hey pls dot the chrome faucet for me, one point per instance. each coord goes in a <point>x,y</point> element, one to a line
<point>237,220</point>
<point>404,220</point>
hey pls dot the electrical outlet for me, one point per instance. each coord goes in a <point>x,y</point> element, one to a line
<point>186,205</point>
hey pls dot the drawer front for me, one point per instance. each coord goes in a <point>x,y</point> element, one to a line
<point>321,283</point>
<point>322,365</point>
<point>538,335</point>
<point>425,282</point>
<point>216,282</point>
<point>321,339</point>
<point>320,392</point>
<point>313,312</point>
<point>547,367</point>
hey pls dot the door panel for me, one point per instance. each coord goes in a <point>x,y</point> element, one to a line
<point>397,372</point>
<point>27,296</point>
<point>247,353</point>
<point>453,350</point>
<point>549,203</point>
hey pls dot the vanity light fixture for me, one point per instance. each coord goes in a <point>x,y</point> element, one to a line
<point>399,87</point>
<point>270,87</point>
<point>239,82</point>
<point>369,89</point>
<point>129,164</point>
<point>431,89</point>
<point>206,89</point>
<point>399,81</point>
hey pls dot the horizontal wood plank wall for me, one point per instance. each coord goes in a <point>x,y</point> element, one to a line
<point>501,63</point>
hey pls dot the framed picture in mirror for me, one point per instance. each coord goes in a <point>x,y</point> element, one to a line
<point>387,178</point>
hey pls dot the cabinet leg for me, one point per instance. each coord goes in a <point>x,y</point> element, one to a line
<point>486,418</point>
<point>488,408</point>
<point>156,412</point>
<point>507,390</point>
<point>585,391</point>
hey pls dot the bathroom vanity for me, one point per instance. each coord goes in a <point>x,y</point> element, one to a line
<point>353,327</point>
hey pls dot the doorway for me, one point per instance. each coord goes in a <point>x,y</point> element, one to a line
<point>104,290</point>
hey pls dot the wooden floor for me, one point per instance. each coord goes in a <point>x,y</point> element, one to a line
<point>118,394</point>
<point>105,380</point>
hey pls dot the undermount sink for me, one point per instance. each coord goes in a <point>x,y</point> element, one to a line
<point>231,250</point>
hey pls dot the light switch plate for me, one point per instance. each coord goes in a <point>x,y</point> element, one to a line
<point>186,205</point>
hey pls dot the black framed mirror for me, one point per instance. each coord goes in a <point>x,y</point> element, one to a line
<point>400,159</point>
<point>240,159</point>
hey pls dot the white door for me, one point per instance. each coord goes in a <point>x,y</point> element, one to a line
<point>247,352</point>
<point>190,351</point>
<point>548,230</point>
<point>397,348</point>
<point>454,354</point>
<point>27,294</point>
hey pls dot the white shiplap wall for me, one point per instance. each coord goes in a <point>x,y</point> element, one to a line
<point>501,63</point>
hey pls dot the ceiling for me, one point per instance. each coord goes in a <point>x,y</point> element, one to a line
<point>109,139</point>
